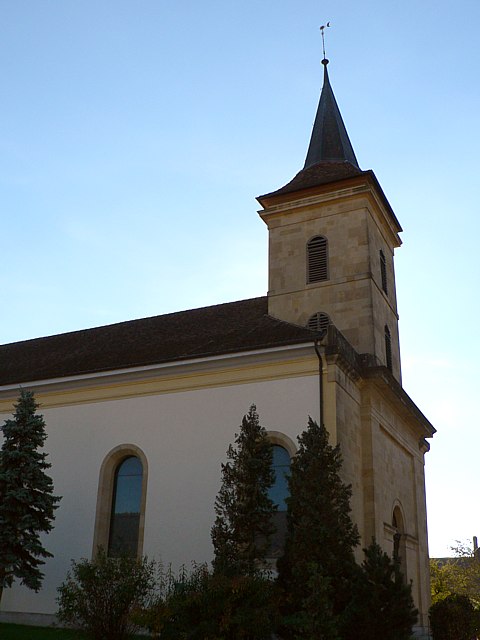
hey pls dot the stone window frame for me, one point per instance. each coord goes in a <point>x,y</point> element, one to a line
<point>277,437</point>
<point>106,484</point>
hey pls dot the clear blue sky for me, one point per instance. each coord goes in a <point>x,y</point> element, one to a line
<point>135,135</point>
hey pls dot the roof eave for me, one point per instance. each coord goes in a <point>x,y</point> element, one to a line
<point>368,176</point>
<point>387,384</point>
<point>367,367</point>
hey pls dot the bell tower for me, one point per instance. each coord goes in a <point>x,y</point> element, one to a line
<point>332,236</point>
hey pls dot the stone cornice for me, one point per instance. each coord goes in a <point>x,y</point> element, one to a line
<point>366,370</point>
<point>365,185</point>
<point>382,379</point>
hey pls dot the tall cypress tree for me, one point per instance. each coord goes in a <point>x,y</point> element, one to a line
<point>318,567</point>
<point>27,503</point>
<point>382,603</point>
<point>244,522</point>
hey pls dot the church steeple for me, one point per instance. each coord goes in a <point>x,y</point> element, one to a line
<point>332,235</point>
<point>329,141</point>
<point>330,155</point>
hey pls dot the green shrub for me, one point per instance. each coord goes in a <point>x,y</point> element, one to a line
<point>100,595</point>
<point>205,605</point>
<point>382,604</point>
<point>318,567</point>
<point>454,618</point>
<point>160,614</point>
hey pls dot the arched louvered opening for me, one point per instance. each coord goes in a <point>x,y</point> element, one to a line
<point>318,322</point>
<point>317,259</point>
<point>388,347</point>
<point>383,271</point>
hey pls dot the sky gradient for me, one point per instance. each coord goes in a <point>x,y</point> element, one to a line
<point>134,137</point>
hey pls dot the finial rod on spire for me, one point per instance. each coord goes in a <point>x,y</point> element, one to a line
<point>329,142</point>
<point>322,29</point>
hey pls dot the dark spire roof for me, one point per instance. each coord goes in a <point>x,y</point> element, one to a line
<point>329,141</point>
<point>330,155</point>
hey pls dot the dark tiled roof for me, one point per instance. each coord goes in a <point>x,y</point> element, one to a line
<point>326,173</point>
<point>318,174</point>
<point>330,155</point>
<point>209,331</point>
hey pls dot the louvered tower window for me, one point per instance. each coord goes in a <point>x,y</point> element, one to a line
<point>317,259</point>
<point>318,322</point>
<point>383,271</point>
<point>388,347</point>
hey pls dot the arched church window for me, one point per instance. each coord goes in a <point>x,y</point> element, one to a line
<point>278,493</point>
<point>394,520</point>
<point>317,259</point>
<point>281,467</point>
<point>318,322</point>
<point>126,504</point>
<point>383,271</point>
<point>121,499</point>
<point>388,347</point>
<point>399,541</point>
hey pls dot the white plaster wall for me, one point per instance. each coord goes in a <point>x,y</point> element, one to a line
<point>184,437</point>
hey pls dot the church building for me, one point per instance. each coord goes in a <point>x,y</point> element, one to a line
<point>139,414</point>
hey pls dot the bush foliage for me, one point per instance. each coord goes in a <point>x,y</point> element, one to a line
<point>210,605</point>
<point>458,575</point>
<point>454,618</point>
<point>100,595</point>
<point>382,604</point>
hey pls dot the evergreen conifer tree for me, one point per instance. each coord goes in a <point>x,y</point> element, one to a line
<point>318,567</point>
<point>244,511</point>
<point>27,503</point>
<point>382,604</point>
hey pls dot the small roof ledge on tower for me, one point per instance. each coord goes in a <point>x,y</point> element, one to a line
<point>323,182</point>
<point>317,175</point>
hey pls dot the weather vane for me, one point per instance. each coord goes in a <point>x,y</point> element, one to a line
<point>322,29</point>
